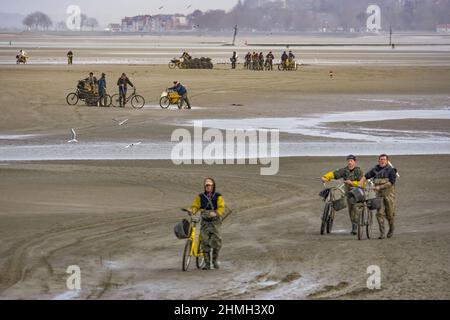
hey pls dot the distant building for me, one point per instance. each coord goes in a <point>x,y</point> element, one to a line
<point>161,23</point>
<point>443,28</point>
<point>137,24</point>
<point>265,3</point>
<point>156,23</point>
<point>114,27</point>
<point>181,22</point>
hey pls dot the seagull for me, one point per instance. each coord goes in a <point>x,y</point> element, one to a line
<point>132,145</point>
<point>74,136</point>
<point>120,122</point>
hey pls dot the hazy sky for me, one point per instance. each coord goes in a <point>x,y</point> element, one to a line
<point>107,11</point>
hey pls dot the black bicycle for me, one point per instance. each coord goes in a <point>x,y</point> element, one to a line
<point>334,197</point>
<point>136,100</point>
<point>368,202</point>
<point>89,98</point>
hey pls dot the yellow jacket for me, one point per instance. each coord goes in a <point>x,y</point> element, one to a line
<point>330,176</point>
<point>197,205</point>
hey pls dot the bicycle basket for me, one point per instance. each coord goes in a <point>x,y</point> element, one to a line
<point>374,204</point>
<point>339,204</point>
<point>182,229</point>
<point>356,195</point>
<point>324,193</point>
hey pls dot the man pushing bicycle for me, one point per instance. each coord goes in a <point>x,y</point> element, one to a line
<point>212,206</point>
<point>351,175</point>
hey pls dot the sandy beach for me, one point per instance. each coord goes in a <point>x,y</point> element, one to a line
<point>114,218</point>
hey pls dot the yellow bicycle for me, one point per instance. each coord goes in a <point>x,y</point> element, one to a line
<point>174,63</point>
<point>170,97</point>
<point>288,65</point>
<point>192,247</point>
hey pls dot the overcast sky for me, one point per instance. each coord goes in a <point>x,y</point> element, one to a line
<point>107,11</point>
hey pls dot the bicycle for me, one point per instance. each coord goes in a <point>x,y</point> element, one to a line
<point>369,202</point>
<point>88,97</point>
<point>174,63</point>
<point>21,59</point>
<point>334,197</point>
<point>170,97</point>
<point>137,101</point>
<point>192,247</point>
<point>288,65</point>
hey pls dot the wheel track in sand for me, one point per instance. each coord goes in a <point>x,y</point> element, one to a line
<point>16,269</point>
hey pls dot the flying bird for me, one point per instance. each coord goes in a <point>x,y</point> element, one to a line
<point>120,122</point>
<point>189,6</point>
<point>74,136</point>
<point>132,145</point>
<point>160,7</point>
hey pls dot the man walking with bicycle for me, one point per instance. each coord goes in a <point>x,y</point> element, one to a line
<point>351,175</point>
<point>182,92</point>
<point>123,83</point>
<point>212,206</point>
<point>384,176</point>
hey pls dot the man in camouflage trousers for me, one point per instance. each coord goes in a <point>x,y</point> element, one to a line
<point>384,176</point>
<point>212,206</point>
<point>351,175</point>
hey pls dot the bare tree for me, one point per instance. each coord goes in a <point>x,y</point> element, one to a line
<point>83,19</point>
<point>88,22</point>
<point>37,20</point>
<point>61,26</point>
<point>91,23</point>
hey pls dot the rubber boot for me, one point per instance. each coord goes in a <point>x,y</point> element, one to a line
<point>354,229</point>
<point>207,257</point>
<point>215,257</point>
<point>382,236</point>
<point>391,229</point>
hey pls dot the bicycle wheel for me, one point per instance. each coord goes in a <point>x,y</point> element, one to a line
<point>200,262</point>
<point>72,99</point>
<point>330,221</point>
<point>164,102</point>
<point>172,65</point>
<point>187,255</point>
<point>280,67</point>
<point>115,100</point>
<point>137,102</point>
<point>325,214</point>
<point>361,223</point>
<point>369,224</point>
<point>107,100</point>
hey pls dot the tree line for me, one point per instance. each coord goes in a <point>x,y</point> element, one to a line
<point>41,21</point>
<point>312,15</point>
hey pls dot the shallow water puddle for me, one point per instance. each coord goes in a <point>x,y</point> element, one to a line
<point>318,126</point>
<point>357,140</point>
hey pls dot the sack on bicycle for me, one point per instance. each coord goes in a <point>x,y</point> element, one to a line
<point>324,193</point>
<point>182,229</point>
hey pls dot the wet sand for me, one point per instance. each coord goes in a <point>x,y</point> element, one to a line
<point>115,218</point>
